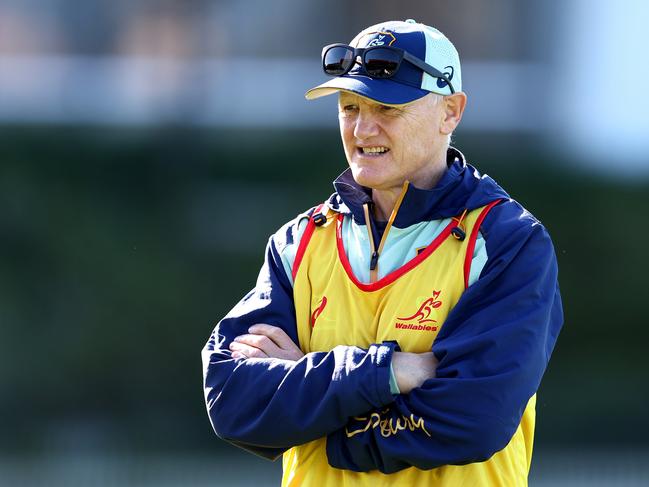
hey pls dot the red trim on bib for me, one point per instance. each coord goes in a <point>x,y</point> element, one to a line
<point>304,242</point>
<point>394,275</point>
<point>472,239</point>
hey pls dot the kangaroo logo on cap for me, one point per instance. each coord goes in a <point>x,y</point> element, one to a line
<point>441,83</point>
<point>381,39</point>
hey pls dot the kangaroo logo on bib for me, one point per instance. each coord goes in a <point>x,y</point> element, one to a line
<point>421,319</point>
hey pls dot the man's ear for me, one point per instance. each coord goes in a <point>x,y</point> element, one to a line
<point>454,106</point>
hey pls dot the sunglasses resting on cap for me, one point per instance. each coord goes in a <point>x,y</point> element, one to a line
<point>394,63</point>
<point>380,62</point>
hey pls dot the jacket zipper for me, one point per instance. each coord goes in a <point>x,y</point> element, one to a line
<point>376,252</point>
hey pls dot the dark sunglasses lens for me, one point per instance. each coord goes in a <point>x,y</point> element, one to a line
<point>337,61</point>
<point>382,63</point>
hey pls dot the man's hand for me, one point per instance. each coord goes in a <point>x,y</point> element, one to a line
<point>412,369</point>
<point>265,341</point>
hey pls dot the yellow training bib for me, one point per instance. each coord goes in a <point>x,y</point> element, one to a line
<point>408,305</point>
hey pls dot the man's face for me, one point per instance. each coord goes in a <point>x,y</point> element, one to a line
<point>385,145</point>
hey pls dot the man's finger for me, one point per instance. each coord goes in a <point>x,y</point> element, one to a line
<point>276,334</point>
<point>247,350</point>
<point>272,340</point>
<point>262,342</point>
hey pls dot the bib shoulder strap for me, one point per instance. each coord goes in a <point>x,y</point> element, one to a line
<point>316,218</point>
<point>472,239</point>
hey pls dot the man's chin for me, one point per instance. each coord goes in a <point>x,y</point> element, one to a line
<point>363,177</point>
<point>369,179</point>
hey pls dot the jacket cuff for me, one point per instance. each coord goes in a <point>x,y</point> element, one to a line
<point>394,387</point>
<point>383,360</point>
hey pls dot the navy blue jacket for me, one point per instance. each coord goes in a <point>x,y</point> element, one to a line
<point>492,350</point>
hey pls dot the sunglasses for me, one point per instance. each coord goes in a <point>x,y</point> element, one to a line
<point>380,62</point>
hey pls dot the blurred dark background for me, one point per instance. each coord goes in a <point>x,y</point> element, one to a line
<point>148,150</point>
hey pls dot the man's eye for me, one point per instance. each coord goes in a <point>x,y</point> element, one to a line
<point>350,108</point>
<point>388,109</point>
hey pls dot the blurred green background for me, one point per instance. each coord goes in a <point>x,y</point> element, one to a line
<point>122,248</point>
<point>128,228</point>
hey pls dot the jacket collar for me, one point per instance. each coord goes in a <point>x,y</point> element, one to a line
<point>461,187</point>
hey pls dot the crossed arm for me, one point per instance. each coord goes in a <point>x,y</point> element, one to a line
<point>411,370</point>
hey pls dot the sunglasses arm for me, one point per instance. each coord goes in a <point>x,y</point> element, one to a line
<point>427,68</point>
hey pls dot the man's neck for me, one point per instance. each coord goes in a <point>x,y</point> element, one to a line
<point>385,199</point>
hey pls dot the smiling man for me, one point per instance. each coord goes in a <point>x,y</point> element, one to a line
<point>398,332</point>
<point>387,145</point>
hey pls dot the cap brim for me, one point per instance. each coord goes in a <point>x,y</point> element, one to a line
<point>384,91</point>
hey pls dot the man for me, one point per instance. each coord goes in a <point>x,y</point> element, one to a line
<point>397,333</point>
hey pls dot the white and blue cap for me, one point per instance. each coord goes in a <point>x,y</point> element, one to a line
<point>409,83</point>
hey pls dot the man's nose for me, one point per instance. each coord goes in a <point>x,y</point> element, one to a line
<point>366,125</point>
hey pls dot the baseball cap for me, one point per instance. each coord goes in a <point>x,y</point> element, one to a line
<point>409,83</point>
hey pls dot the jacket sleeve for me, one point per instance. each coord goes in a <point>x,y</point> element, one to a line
<point>492,350</point>
<point>268,405</point>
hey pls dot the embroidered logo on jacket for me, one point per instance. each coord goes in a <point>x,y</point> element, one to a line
<point>419,320</point>
<point>386,423</point>
<point>319,309</point>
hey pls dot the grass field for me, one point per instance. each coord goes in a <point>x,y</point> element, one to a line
<point>557,468</point>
